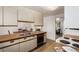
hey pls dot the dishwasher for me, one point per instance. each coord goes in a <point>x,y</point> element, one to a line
<point>40,39</point>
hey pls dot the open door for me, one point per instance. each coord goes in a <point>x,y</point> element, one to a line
<point>59,27</point>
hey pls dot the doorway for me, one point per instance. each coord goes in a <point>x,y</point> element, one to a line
<point>59,27</point>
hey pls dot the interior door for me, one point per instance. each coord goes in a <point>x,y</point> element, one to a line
<point>59,26</point>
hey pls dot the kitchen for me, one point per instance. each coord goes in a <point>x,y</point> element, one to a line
<point>16,29</point>
<point>32,28</point>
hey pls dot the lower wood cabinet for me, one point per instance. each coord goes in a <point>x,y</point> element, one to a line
<point>1,50</point>
<point>21,45</point>
<point>14,48</point>
<point>28,45</point>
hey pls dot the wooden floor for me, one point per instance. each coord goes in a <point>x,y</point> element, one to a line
<point>49,47</point>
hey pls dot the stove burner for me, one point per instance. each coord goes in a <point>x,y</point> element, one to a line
<point>76,45</point>
<point>65,42</point>
<point>66,38</point>
<point>75,40</point>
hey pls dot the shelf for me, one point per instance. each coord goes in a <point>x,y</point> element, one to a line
<point>26,21</point>
<point>8,25</point>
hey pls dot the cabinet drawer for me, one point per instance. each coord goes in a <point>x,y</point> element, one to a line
<point>22,39</point>
<point>8,43</point>
<point>28,38</point>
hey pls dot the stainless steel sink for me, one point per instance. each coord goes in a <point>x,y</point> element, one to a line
<point>26,34</point>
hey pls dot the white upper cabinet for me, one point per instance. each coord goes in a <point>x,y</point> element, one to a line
<point>25,14</point>
<point>10,15</point>
<point>0,15</point>
<point>38,18</point>
<point>20,14</point>
<point>71,17</point>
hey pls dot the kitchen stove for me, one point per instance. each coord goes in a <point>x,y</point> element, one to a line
<point>69,42</point>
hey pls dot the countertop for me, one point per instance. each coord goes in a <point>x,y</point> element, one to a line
<point>14,36</point>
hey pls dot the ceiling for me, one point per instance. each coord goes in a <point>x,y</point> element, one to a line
<point>58,10</point>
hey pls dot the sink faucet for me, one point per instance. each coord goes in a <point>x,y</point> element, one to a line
<point>8,32</point>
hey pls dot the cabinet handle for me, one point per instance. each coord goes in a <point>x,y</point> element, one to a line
<point>11,41</point>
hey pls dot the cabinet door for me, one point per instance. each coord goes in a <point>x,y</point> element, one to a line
<point>31,15</point>
<point>38,18</point>
<point>1,50</point>
<point>14,48</point>
<point>28,45</point>
<point>31,44</point>
<point>20,13</point>
<point>8,43</point>
<point>25,14</point>
<point>0,15</point>
<point>10,15</point>
<point>23,47</point>
<point>71,17</point>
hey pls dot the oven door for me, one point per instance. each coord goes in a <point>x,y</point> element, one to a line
<point>40,39</point>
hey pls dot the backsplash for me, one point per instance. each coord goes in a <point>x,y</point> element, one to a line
<point>4,30</point>
<point>27,26</point>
